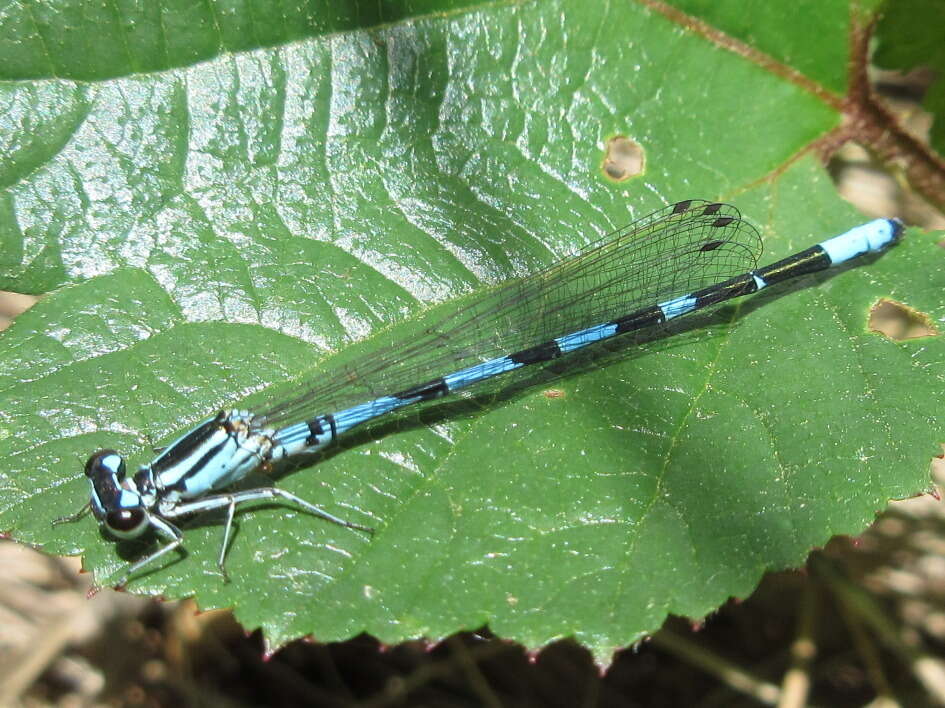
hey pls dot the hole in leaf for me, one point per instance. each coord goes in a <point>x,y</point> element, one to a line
<point>623,159</point>
<point>13,304</point>
<point>938,472</point>
<point>898,321</point>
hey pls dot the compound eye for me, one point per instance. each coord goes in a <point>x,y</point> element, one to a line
<point>105,462</point>
<point>126,523</point>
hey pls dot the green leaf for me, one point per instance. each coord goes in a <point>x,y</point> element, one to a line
<point>212,234</point>
<point>86,41</point>
<point>773,27</point>
<point>910,35</point>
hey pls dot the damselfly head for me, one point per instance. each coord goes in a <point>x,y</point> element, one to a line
<point>105,463</point>
<point>127,523</point>
<point>116,501</point>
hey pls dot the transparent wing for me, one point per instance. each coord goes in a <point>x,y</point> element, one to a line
<point>667,254</point>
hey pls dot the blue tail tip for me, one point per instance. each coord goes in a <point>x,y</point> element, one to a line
<point>897,227</point>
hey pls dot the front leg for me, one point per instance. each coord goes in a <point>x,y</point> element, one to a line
<point>166,530</point>
<point>72,518</point>
<point>230,501</point>
<point>230,512</point>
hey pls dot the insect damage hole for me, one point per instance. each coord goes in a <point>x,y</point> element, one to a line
<point>898,321</point>
<point>623,158</point>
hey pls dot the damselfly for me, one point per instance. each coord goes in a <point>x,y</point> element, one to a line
<point>676,261</point>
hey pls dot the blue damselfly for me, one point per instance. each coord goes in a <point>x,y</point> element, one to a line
<point>679,260</point>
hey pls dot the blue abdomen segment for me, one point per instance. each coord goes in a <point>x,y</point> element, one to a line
<point>584,337</point>
<point>312,435</point>
<point>305,437</point>
<point>679,306</point>
<point>350,417</point>
<point>866,238</point>
<point>480,372</point>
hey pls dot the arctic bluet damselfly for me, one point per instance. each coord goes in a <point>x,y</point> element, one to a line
<point>679,260</point>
